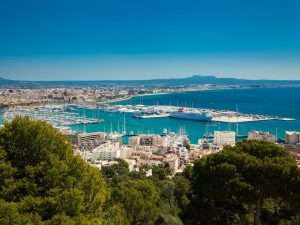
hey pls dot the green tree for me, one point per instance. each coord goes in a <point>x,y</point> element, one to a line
<point>139,199</point>
<point>235,185</point>
<point>161,171</point>
<point>182,191</point>
<point>115,214</point>
<point>116,172</point>
<point>42,178</point>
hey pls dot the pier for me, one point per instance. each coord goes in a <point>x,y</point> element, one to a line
<point>165,110</point>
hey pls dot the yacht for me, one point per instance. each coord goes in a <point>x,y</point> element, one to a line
<point>150,114</point>
<point>191,115</point>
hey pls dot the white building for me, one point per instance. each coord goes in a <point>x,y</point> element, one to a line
<point>292,137</point>
<point>261,136</point>
<point>222,138</point>
<point>107,151</point>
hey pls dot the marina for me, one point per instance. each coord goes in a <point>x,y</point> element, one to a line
<point>54,114</point>
<point>64,115</point>
<point>70,115</point>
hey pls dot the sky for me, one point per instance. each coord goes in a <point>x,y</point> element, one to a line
<point>144,39</point>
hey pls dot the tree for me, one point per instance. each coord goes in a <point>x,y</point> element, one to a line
<point>115,214</point>
<point>139,199</point>
<point>182,191</point>
<point>161,171</point>
<point>40,177</point>
<point>116,172</point>
<point>234,186</point>
<point>9,215</point>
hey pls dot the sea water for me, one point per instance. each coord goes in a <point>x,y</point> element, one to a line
<point>283,102</point>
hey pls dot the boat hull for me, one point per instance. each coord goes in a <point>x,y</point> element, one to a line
<point>192,116</point>
<point>151,116</point>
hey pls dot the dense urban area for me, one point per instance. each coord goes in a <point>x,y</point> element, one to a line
<point>84,95</point>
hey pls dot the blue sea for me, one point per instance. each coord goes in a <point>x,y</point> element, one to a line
<point>283,102</point>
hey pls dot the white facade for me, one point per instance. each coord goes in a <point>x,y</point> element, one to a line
<point>106,151</point>
<point>222,138</point>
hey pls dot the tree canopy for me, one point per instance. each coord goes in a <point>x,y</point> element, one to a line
<point>247,184</point>
<point>43,183</point>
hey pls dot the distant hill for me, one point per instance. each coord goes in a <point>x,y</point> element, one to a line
<point>15,83</point>
<point>5,81</point>
<point>188,81</point>
<point>209,79</point>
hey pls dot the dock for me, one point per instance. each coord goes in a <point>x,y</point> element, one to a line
<point>222,116</point>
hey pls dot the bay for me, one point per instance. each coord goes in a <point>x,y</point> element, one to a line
<point>283,102</point>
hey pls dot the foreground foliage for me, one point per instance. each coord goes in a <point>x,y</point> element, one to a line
<point>252,183</point>
<point>43,183</point>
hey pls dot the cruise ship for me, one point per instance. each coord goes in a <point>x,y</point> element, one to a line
<point>150,115</point>
<point>191,115</point>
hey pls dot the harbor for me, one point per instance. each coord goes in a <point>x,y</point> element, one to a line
<point>64,115</point>
<point>152,114</point>
<point>70,115</point>
<point>54,114</point>
<point>189,113</point>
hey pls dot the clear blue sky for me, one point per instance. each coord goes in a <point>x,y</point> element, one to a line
<point>139,39</point>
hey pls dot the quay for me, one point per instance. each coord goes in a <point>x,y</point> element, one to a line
<point>159,111</point>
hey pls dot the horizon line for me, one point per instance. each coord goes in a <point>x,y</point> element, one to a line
<point>151,79</point>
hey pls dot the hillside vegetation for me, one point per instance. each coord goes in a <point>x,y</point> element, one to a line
<point>43,183</point>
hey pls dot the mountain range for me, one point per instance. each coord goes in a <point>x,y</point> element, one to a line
<point>172,82</point>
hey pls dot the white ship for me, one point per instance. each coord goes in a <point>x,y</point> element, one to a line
<point>191,115</point>
<point>149,115</point>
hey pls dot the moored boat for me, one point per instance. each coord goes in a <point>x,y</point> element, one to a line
<point>191,115</point>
